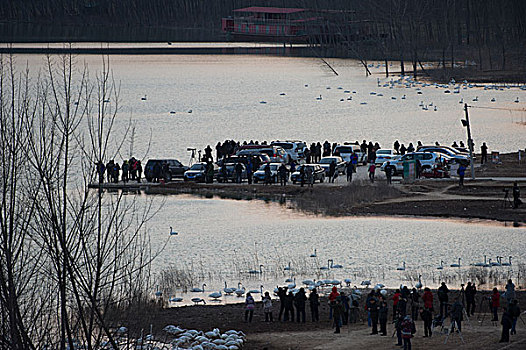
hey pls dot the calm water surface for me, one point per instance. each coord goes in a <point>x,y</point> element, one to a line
<point>224,95</point>
<point>221,240</point>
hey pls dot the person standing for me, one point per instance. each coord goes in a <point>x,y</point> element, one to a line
<point>302,175</point>
<point>349,169</point>
<point>354,161</point>
<point>415,304</point>
<point>373,311</point>
<point>388,172</point>
<point>249,171</point>
<point>418,168</point>
<point>396,147</point>
<point>332,170</point>
<point>314,302</point>
<point>289,307</point>
<point>471,290</point>
<point>506,323</point>
<point>125,170</point>
<point>372,169</point>
<point>282,175</point>
<point>382,317</point>
<point>427,298</point>
<point>484,153</point>
<point>337,306</point>
<point>345,304</point>
<point>332,297</point>
<point>398,319</point>
<point>510,291</point>
<point>402,149</point>
<point>239,171</point>
<point>282,294</point>
<point>299,301</point>
<point>427,317</point>
<point>249,307</point>
<point>443,298</point>
<point>396,299</point>
<point>139,171</point>
<point>461,171</point>
<point>310,176</point>
<point>267,307</point>
<point>495,303</point>
<point>408,329</point>
<point>515,313</point>
<point>457,314</point>
<point>268,174</point>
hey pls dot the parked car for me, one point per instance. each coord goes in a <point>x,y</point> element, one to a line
<point>169,169</point>
<point>427,160</point>
<point>243,158</point>
<point>197,172</point>
<point>230,173</point>
<point>325,163</point>
<point>383,155</point>
<point>276,153</point>
<point>294,149</point>
<point>259,175</point>
<point>346,150</point>
<point>448,151</point>
<point>317,170</point>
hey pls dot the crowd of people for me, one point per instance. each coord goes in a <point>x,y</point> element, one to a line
<point>130,170</point>
<point>407,306</point>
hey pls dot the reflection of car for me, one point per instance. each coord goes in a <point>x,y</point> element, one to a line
<point>259,175</point>
<point>325,163</point>
<point>230,174</point>
<point>294,149</point>
<point>197,172</point>
<point>318,172</point>
<point>173,168</point>
<point>427,160</point>
<point>383,155</point>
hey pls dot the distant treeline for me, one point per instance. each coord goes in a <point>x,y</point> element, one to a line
<point>488,32</point>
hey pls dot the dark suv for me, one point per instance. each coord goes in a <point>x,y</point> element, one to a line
<point>167,169</point>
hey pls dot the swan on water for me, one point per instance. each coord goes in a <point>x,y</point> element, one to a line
<point>419,284</point>
<point>172,232</point>
<point>401,268</point>
<point>143,98</point>
<point>215,295</point>
<point>481,264</point>
<point>260,271</point>
<point>456,265</point>
<point>313,255</point>
<point>507,263</point>
<point>441,267</point>
<point>198,290</point>
<point>228,290</point>
<point>287,268</point>
<point>198,300</point>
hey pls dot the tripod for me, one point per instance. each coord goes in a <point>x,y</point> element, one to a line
<point>483,310</point>
<point>462,298</point>
<point>452,330</point>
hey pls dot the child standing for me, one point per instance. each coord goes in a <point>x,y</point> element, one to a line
<point>267,307</point>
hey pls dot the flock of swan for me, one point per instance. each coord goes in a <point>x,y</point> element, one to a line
<point>198,340</point>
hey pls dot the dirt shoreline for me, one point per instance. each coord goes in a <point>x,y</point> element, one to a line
<point>478,333</point>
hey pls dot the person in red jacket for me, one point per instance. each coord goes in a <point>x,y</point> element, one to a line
<point>396,299</point>
<point>332,300</point>
<point>495,304</point>
<point>428,299</point>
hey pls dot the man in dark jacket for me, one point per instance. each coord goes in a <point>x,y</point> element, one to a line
<point>289,307</point>
<point>471,290</point>
<point>382,317</point>
<point>337,308</point>
<point>506,323</point>
<point>514,312</point>
<point>282,174</point>
<point>457,314</point>
<point>373,309</point>
<point>314,302</point>
<point>443,298</point>
<point>299,302</point>
<point>282,294</point>
<point>332,171</point>
<point>239,171</point>
<point>427,317</point>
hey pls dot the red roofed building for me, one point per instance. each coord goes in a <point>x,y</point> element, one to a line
<point>270,23</point>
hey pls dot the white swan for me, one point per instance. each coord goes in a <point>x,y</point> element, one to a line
<point>256,291</point>
<point>319,98</point>
<point>292,285</point>
<point>143,98</point>
<point>507,263</point>
<point>254,272</point>
<point>313,255</point>
<point>215,295</point>
<point>366,283</point>
<point>481,264</point>
<point>335,266</point>
<point>496,263</point>
<point>228,290</point>
<point>287,268</point>
<point>172,232</point>
<point>419,284</point>
<point>239,291</point>
<point>347,281</point>
<point>401,268</point>
<point>441,267</point>
<point>198,290</point>
<point>175,299</point>
<point>308,282</point>
<point>456,265</point>
<point>198,300</point>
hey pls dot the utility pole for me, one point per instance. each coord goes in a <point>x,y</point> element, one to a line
<point>470,141</point>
